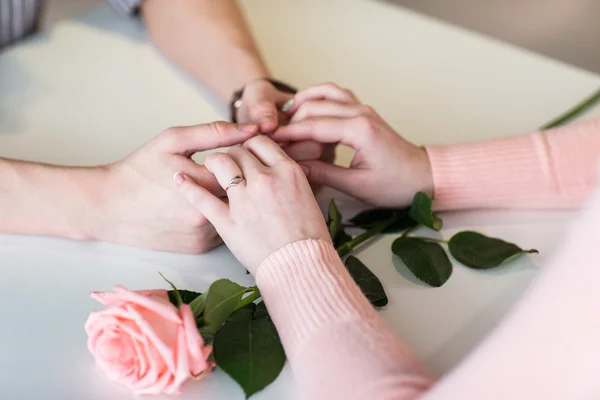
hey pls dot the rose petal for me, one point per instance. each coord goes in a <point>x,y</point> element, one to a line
<point>156,366</point>
<point>165,344</point>
<point>110,298</point>
<point>158,387</point>
<point>159,306</point>
<point>183,369</point>
<point>193,341</point>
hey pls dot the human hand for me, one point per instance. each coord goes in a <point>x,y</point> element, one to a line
<point>265,105</point>
<point>141,208</point>
<point>386,170</point>
<point>272,207</point>
<point>262,103</point>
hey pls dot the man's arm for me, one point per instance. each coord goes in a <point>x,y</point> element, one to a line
<point>40,199</point>
<point>131,202</point>
<point>207,38</point>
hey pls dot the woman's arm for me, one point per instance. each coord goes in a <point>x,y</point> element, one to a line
<point>548,347</point>
<point>338,346</point>
<point>550,169</point>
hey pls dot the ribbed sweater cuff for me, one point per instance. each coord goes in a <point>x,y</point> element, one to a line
<point>496,173</point>
<point>306,287</point>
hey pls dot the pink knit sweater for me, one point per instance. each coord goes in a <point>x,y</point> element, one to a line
<point>547,348</point>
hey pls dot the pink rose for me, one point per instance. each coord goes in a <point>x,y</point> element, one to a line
<point>143,342</point>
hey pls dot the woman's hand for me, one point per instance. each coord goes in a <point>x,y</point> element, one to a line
<point>386,170</point>
<point>272,207</point>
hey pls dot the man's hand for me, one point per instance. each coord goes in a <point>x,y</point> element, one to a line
<point>261,104</point>
<point>141,207</point>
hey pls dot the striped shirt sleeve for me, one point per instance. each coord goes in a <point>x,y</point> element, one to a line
<point>18,18</point>
<point>126,8</point>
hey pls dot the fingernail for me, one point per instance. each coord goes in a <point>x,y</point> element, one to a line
<point>179,178</point>
<point>288,105</point>
<point>249,127</point>
<point>305,169</point>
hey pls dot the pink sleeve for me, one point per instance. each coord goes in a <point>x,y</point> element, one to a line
<point>336,343</point>
<point>549,345</point>
<point>550,169</point>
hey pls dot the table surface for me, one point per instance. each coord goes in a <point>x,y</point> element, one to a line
<point>92,90</point>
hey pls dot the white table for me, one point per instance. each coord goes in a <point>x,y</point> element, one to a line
<point>92,90</point>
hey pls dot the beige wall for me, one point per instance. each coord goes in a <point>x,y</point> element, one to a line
<point>568,30</point>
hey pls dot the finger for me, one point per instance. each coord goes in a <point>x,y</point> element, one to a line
<point>202,176</point>
<point>224,168</point>
<point>304,151</point>
<point>187,140</point>
<point>210,206</point>
<point>327,108</point>
<point>264,113</point>
<point>325,91</point>
<point>345,180</point>
<point>247,161</point>
<point>266,150</point>
<point>348,131</point>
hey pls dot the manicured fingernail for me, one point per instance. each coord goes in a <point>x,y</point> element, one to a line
<point>179,178</point>
<point>249,127</point>
<point>288,105</point>
<point>305,169</point>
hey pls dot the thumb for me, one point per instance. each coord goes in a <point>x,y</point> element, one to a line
<point>333,176</point>
<point>264,113</point>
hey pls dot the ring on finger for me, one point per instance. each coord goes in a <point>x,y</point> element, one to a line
<point>234,182</point>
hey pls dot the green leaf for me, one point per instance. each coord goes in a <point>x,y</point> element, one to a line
<point>261,311</point>
<point>482,252</point>
<point>366,280</point>
<point>334,220</point>
<point>341,238</point>
<point>198,303</point>
<point>369,218</point>
<point>422,213</point>
<point>248,349</point>
<point>186,296</point>
<point>222,298</point>
<point>426,260</point>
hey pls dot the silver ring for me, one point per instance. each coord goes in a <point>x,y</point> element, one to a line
<point>235,181</point>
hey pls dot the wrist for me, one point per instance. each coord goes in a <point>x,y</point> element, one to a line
<point>50,200</point>
<point>426,181</point>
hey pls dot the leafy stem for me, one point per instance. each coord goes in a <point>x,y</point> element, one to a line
<point>363,237</point>
<point>248,299</point>
<point>428,239</point>
<point>409,230</point>
<point>574,112</point>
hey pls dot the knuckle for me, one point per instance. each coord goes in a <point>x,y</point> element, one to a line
<point>348,94</point>
<point>367,110</point>
<point>331,86</point>
<point>262,107</point>
<point>215,159</point>
<point>218,127</point>
<point>364,124</point>
<point>170,136</point>
<point>265,179</point>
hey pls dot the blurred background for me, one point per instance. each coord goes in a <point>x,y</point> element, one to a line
<point>567,30</point>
